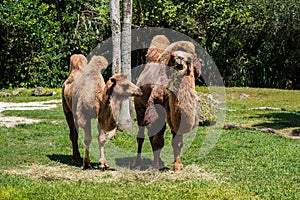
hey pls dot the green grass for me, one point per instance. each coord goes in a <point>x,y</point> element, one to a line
<point>36,158</point>
<point>25,95</point>
<point>286,122</point>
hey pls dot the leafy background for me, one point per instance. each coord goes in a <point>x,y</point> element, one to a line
<point>254,43</point>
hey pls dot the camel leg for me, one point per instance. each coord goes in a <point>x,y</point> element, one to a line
<point>73,132</point>
<point>157,143</point>
<point>102,138</point>
<point>177,144</point>
<point>87,142</point>
<point>74,139</point>
<point>140,140</point>
<point>140,113</point>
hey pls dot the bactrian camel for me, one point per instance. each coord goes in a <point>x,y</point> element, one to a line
<point>91,97</point>
<point>168,80</point>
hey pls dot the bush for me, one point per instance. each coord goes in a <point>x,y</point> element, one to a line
<point>254,43</point>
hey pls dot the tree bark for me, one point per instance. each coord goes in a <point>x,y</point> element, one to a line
<point>116,35</point>
<point>125,120</point>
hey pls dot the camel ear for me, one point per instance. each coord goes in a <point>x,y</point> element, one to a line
<point>197,68</point>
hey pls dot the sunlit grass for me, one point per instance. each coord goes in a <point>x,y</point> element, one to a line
<point>36,158</point>
<point>25,95</point>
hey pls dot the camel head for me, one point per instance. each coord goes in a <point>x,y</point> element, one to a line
<point>77,61</point>
<point>182,57</point>
<point>122,88</point>
<point>182,62</point>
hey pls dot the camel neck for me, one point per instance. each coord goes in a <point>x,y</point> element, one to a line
<point>183,99</point>
<point>109,110</point>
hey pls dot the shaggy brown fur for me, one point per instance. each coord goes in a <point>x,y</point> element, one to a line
<point>175,93</point>
<point>92,97</point>
<point>77,63</point>
<point>149,76</point>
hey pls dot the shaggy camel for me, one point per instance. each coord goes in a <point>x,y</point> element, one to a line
<point>91,97</point>
<point>168,88</point>
<point>77,63</point>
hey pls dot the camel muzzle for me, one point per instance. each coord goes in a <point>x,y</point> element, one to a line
<point>182,69</point>
<point>138,92</point>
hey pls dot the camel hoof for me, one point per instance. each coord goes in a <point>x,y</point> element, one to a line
<point>85,167</point>
<point>86,164</point>
<point>178,167</point>
<point>104,167</point>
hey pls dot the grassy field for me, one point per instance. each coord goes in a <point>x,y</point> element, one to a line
<point>240,164</point>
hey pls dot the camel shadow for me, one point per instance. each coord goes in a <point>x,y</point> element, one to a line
<point>67,160</point>
<point>120,162</point>
<point>279,120</point>
<point>127,163</point>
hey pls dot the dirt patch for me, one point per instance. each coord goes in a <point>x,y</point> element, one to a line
<point>11,121</point>
<point>75,174</point>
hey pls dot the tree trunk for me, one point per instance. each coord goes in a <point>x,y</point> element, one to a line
<point>116,35</point>
<point>125,120</point>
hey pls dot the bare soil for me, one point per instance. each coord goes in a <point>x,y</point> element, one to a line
<point>11,121</point>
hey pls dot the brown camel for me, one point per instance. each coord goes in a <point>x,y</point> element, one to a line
<point>92,97</point>
<point>116,90</point>
<point>168,95</point>
<point>77,63</point>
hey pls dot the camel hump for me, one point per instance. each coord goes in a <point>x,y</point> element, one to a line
<point>77,61</point>
<point>158,44</point>
<point>98,62</point>
<point>181,46</point>
<point>159,41</point>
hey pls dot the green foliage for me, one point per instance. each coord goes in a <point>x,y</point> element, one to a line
<point>253,43</point>
<point>257,45</point>
<point>38,37</point>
